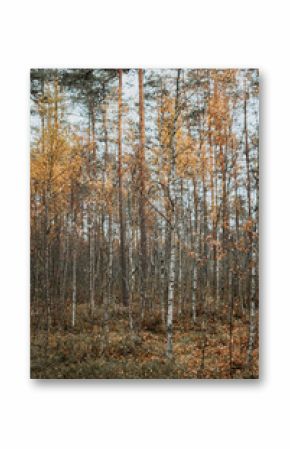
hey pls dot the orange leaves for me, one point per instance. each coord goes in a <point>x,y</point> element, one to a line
<point>248,225</point>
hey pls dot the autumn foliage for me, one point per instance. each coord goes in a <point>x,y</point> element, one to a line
<point>144,223</point>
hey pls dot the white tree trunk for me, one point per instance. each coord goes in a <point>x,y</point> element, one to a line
<point>74,296</point>
<point>193,297</point>
<point>179,280</point>
<point>92,260</point>
<point>172,257</point>
<point>252,327</point>
<point>171,282</point>
<point>110,264</point>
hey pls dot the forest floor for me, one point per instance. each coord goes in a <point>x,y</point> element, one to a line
<point>200,351</point>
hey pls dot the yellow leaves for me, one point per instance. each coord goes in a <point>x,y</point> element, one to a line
<point>127,159</point>
<point>219,117</point>
<point>186,159</point>
<point>56,161</point>
<point>214,242</point>
<point>75,165</point>
<point>38,166</point>
<point>108,187</point>
<point>165,123</point>
<point>248,226</point>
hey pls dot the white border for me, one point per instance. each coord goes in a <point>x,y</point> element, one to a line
<point>75,414</point>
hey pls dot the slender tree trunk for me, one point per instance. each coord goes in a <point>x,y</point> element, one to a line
<point>171,282</point>
<point>248,181</point>
<point>47,262</point>
<point>252,323</point>
<point>74,294</point>
<point>251,263</point>
<point>92,257</point>
<point>42,117</point>
<point>225,224</point>
<point>65,267</point>
<point>108,275</point>
<point>172,198</point>
<point>110,263</point>
<point>124,276</point>
<point>195,264</point>
<point>143,237</point>
<point>237,283</point>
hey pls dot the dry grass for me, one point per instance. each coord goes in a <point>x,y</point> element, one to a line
<point>81,353</point>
